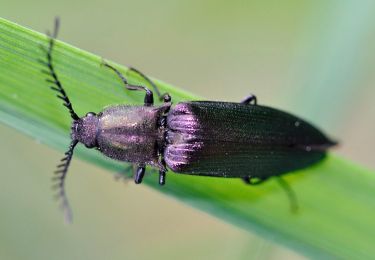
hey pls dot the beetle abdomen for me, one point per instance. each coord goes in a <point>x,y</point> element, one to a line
<point>234,140</point>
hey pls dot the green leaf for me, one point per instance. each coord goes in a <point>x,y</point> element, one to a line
<point>336,197</point>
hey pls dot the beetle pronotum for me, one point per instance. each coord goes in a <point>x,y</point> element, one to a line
<point>220,139</point>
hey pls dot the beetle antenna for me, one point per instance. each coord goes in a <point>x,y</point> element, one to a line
<point>290,193</point>
<point>51,71</point>
<point>60,173</point>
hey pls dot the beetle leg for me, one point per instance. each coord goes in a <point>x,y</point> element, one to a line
<point>149,97</point>
<point>162,97</point>
<point>162,177</point>
<point>139,174</point>
<point>284,185</point>
<point>162,173</point>
<point>249,99</point>
<point>290,193</point>
<point>253,180</point>
<point>166,98</point>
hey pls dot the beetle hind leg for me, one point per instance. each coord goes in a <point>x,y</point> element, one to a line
<point>250,180</point>
<point>284,185</point>
<point>290,193</point>
<point>251,99</point>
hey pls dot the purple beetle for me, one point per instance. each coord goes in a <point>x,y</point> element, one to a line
<point>219,139</point>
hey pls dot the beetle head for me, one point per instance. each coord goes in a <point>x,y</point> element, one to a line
<point>85,130</point>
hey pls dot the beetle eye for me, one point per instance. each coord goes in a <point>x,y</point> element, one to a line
<point>90,114</point>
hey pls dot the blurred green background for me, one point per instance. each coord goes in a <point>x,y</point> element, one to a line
<point>313,58</point>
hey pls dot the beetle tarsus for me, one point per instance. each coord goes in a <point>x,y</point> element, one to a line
<point>166,98</point>
<point>139,174</point>
<point>250,99</point>
<point>246,180</point>
<point>162,177</point>
<point>250,180</point>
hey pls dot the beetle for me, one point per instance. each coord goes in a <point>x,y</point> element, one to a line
<point>203,138</point>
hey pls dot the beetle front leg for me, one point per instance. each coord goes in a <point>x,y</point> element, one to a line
<point>249,99</point>
<point>139,174</point>
<point>162,97</point>
<point>149,97</point>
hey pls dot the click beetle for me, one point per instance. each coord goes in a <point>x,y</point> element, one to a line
<point>204,138</point>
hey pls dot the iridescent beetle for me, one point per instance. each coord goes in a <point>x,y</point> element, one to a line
<point>205,138</point>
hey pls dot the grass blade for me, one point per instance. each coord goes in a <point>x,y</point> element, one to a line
<point>336,197</point>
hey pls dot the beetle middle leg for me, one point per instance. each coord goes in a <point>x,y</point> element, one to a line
<point>138,177</point>
<point>149,97</point>
<point>162,172</point>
